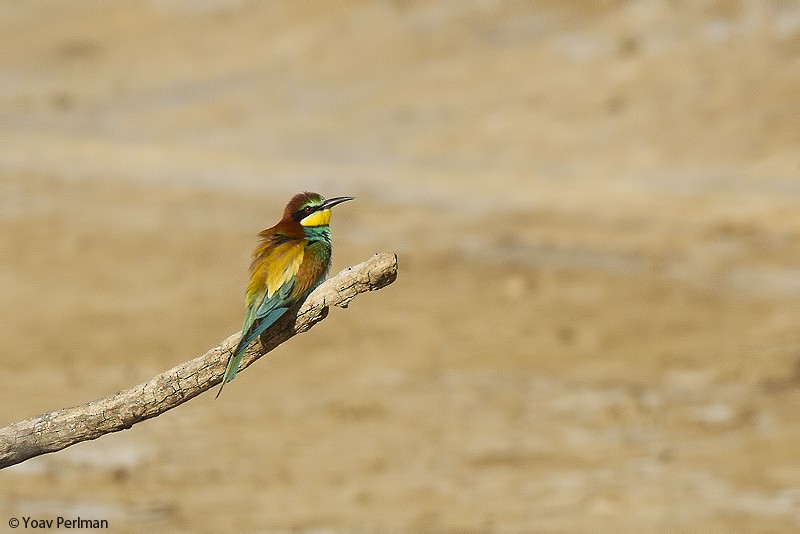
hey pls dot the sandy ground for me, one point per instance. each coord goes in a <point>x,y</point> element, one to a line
<point>595,324</point>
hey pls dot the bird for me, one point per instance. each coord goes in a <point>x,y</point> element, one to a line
<point>291,259</point>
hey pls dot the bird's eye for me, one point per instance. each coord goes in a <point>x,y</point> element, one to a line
<point>308,209</point>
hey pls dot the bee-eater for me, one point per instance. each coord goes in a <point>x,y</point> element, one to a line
<point>290,261</point>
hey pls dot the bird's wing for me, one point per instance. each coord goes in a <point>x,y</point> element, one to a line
<point>290,270</point>
<point>283,271</point>
<point>269,294</point>
<point>312,271</point>
<point>274,267</point>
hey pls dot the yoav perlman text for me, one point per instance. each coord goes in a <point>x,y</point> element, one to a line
<point>61,522</point>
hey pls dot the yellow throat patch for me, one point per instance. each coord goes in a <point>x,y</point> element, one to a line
<point>318,218</point>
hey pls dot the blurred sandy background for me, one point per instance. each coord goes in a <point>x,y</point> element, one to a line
<point>595,206</point>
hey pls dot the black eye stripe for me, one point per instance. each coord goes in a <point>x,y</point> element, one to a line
<point>304,212</point>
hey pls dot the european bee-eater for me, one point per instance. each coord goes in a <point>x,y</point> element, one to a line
<point>290,261</point>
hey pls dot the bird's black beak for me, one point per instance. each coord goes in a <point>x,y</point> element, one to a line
<point>331,202</point>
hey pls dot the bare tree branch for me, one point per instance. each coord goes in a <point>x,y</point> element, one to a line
<point>57,430</point>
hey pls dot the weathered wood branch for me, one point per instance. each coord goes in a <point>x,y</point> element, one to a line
<point>57,430</point>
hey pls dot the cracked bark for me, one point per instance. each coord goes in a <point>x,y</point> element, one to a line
<point>57,430</point>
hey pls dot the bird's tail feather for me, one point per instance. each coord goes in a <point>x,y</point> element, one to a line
<point>233,364</point>
<point>255,330</point>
